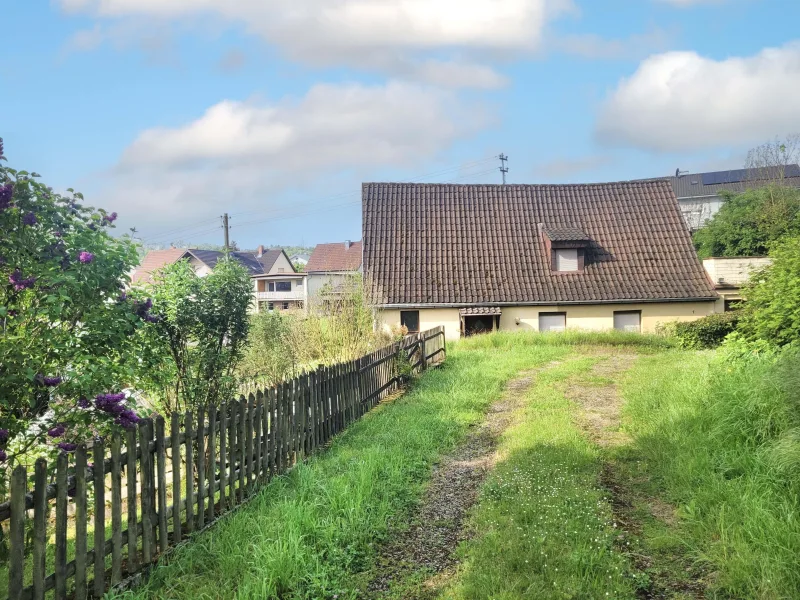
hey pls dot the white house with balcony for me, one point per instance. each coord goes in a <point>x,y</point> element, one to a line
<point>279,287</point>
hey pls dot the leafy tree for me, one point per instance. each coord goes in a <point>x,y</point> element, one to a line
<point>65,322</point>
<point>750,223</point>
<point>772,310</point>
<point>270,353</point>
<point>201,327</point>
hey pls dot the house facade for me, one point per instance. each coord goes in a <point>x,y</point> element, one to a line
<point>276,284</point>
<point>731,274</point>
<point>475,258</point>
<point>330,266</point>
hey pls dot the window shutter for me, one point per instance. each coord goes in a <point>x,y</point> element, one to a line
<point>628,321</point>
<point>566,259</point>
<point>552,321</point>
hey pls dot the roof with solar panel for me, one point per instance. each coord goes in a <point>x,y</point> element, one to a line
<point>693,185</point>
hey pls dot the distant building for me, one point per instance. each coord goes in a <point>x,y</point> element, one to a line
<point>276,284</point>
<point>730,274</point>
<point>300,259</point>
<point>699,193</point>
<point>331,265</point>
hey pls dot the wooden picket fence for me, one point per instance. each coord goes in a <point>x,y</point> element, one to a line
<point>176,484</point>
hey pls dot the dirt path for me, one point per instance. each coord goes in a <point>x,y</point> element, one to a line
<point>426,549</point>
<point>600,416</point>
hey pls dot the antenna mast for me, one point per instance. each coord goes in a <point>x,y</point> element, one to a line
<point>503,167</point>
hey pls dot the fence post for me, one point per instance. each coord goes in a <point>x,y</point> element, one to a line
<point>99,518</point>
<point>40,514</point>
<point>16,563</point>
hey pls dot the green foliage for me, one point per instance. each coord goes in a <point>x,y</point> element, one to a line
<point>772,311</point>
<point>189,355</point>
<point>62,314</point>
<point>708,332</point>
<point>749,224</point>
<point>270,354</point>
<point>718,438</point>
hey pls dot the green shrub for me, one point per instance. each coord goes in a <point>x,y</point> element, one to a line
<point>708,332</point>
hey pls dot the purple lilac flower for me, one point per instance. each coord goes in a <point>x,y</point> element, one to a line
<point>67,446</point>
<point>72,492</point>
<point>57,431</point>
<point>3,456</point>
<point>3,436</point>
<point>6,193</point>
<point>52,381</point>
<point>110,218</point>
<point>84,402</point>
<point>86,257</point>
<point>18,282</point>
<point>29,219</point>
<point>152,318</point>
<point>127,419</point>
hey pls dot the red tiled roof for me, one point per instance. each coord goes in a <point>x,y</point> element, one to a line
<point>335,257</point>
<point>154,260</point>
<point>480,244</point>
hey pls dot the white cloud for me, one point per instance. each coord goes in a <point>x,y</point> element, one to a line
<point>681,101</point>
<point>243,153</point>
<point>398,37</point>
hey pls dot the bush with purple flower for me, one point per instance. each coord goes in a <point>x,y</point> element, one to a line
<point>110,218</point>
<point>16,279</point>
<point>57,431</point>
<point>6,194</point>
<point>52,381</point>
<point>29,219</point>
<point>86,257</point>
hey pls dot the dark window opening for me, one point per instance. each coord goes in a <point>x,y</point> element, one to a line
<point>271,286</point>
<point>477,324</point>
<point>283,286</point>
<point>733,305</point>
<point>285,306</point>
<point>271,306</point>
<point>410,320</point>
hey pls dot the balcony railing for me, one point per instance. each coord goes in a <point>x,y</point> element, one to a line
<point>281,296</point>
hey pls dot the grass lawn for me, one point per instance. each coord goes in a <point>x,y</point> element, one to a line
<point>310,533</point>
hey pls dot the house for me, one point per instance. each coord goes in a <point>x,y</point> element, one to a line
<point>542,257</point>
<point>699,193</point>
<point>730,274</point>
<point>330,266</point>
<point>276,285</point>
<point>300,259</point>
<point>153,261</point>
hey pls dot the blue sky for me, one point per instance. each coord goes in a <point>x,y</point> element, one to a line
<point>171,112</point>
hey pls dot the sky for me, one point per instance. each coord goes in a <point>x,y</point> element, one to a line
<point>173,112</point>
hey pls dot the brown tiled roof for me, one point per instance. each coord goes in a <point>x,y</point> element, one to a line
<point>335,257</point>
<point>154,260</point>
<point>480,244</point>
<point>565,234</point>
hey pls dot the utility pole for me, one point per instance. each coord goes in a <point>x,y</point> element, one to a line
<point>503,167</point>
<point>227,230</point>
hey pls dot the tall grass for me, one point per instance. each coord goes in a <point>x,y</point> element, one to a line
<point>721,440</point>
<point>311,533</point>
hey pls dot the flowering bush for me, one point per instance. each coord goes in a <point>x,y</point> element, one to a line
<point>65,325</point>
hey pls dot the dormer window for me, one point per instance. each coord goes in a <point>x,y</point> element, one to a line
<point>566,259</point>
<point>566,247</point>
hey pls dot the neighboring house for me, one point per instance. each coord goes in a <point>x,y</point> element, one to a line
<point>542,257</point>
<point>698,193</point>
<point>300,259</point>
<point>730,274</point>
<point>276,285</point>
<point>153,261</point>
<point>279,287</point>
<point>331,265</point>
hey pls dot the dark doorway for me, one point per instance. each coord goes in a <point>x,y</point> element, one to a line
<point>477,324</point>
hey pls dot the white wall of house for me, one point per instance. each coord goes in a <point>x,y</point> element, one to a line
<point>698,211</point>
<point>592,317</point>
<point>316,281</point>
<point>735,270</point>
<point>282,265</point>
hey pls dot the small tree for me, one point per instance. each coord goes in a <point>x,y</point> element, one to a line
<point>201,326</point>
<point>772,310</point>
<point>270,353</point>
